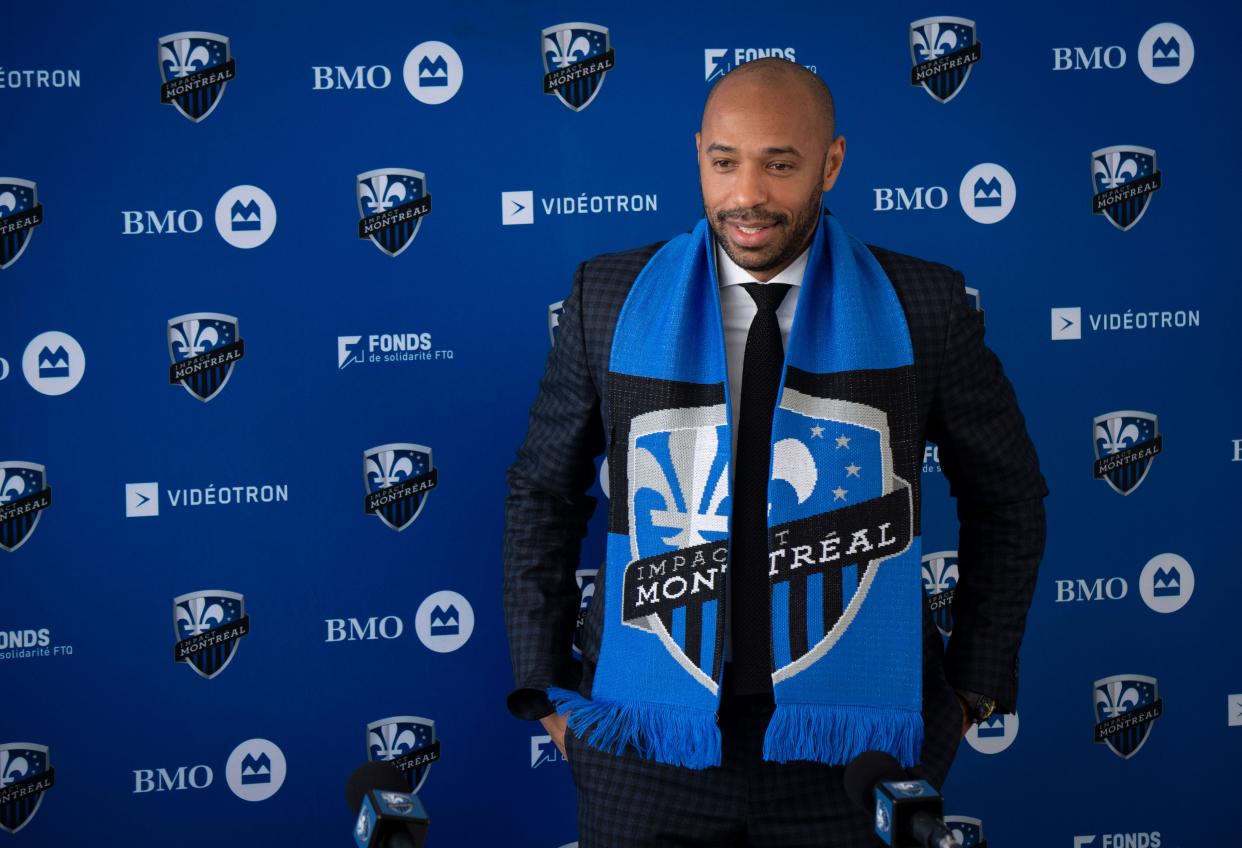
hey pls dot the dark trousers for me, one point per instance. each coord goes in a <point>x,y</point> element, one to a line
<point>628,801</point>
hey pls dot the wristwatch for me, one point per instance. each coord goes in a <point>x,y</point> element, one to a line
<point>981,706</point>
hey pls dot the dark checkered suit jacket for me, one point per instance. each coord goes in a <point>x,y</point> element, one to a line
<point>967,407</point>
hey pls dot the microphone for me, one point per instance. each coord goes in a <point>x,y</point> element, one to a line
<point>908,812</point>
<point>389,815</point>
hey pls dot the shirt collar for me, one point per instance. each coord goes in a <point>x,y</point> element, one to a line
<point>732,274</point>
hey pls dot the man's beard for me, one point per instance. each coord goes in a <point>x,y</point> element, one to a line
<point>777,255</point>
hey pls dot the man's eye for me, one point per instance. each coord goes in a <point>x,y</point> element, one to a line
<point>781,166</point>
<point>722,163</point>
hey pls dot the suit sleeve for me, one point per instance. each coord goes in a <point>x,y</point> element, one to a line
<point>546,515</point>
<point>994,475</point>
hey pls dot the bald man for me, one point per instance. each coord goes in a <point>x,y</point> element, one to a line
<point>709,711</point>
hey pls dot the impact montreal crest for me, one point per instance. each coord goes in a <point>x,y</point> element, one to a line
<point>195,66</point>
<point>408,742</point>
<point>20,213</point>
<point>25,774</point>
<point>1123,178</point>
<point>576,58</point>
<point>398,478</point>
<point>24,494</point>
<point>1126,443</point>
<point>209,625</point>
<point>1126,706</point>
<point>392,203</point>
<point>944,51</point>
<point>203,346</point>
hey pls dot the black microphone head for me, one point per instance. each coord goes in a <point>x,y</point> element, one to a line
<point>865,771</point>
<point>370,776</point>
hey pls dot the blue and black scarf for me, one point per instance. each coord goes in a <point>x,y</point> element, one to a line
<point>843,542</point>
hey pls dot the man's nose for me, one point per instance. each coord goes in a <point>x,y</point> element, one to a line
<point>750,189</point>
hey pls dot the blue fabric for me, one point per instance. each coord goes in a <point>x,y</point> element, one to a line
<point>843,686</point>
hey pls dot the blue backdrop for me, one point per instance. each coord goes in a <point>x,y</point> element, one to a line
<point>314,633</point>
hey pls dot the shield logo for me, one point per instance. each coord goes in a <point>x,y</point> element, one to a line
<point>397,478</point>
<point>209,625</point>
<point>1123,179</point>
<point>203,347</point>
<point>835,477</point>
<point>555,312</point>
<point>1126,705</point>
<point>967,831</point>
<point>944,50</point>
<point>586,585</point>
<point>25,774</point>
<point>1126,443</point>
<point>678,464</point>
<point>392,203</point>
<point>408,742</point>
<point>576,58</point>
<point>24,494</point>
<point>195,67</point>
<point>939,583</point>
<point>20,213</point>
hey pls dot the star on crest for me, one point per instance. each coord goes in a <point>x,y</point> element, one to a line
<point>843,441</point>
<point>817,432</point>
<point>852,470</point>
<point>839,493</point>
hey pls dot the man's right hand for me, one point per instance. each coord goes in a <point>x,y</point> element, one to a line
<point>554,723</point>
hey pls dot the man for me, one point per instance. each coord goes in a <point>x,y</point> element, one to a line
<point>764,387</point>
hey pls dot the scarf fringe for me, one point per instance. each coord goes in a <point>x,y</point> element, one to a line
<point>835,735</point>
<point>667,733</point>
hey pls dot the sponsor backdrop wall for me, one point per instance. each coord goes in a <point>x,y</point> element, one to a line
<point>276,288</point>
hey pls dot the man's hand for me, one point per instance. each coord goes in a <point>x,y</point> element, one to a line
<point>554,723</point>
<point>967,719</point>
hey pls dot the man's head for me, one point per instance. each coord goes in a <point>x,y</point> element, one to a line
<point>767,154</point>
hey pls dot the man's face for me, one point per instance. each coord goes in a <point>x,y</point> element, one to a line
<point>764,162</point>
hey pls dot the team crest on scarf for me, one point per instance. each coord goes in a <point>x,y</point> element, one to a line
<point>24,494</point>
<point>944,50</point>
<point>209,626</point>
<point>1126,444</point>
<point>1123,178</point>
<point>392,203</point>
<point>679,523</point>
<point>203,346</point>
<point>195,66</point>
<point>25,774</point>
<point>576,58</point>
<point>847,512</point>
<point>1126,705</point>
<point>939,583</point>
<point>408,742</point>
<point>586,588</point>
<point>398,478</point>
<point>20,213</point>
<point>967,831</point>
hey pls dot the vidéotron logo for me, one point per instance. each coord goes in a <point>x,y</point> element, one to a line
<point>392,203</point>
<point>209,626</point>
<point>1166,52</point>
<point>408,742</point>
<point>20,213</point>
<point>987,193</point>
<point>196,67</point>
<point>204,347</point>
<point>53,363</point>
<point>444,621</point>
<point>576,58</point>
<point>993,735</point>
<point>1126,706</point>
<point>24,494</point>
<point>398,477</point>
<point>255,770</point>
<point>25,774</point>
<point>1126,444</point>
<point>432,73</point>
<point>939,583</point>
<point>944,50</point>
<point>1123,178</point>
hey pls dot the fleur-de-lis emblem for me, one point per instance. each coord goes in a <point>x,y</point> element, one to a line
<point>14,487</point>
<point>564,49</point>
<point>8,202</point>
<point>1116,435</point>
<point>694,490</point>
<point>389,741</point>
<point>379,194</point>
<point>933,42</point>
<point>1115,698</point>
<point>182,60</point>
<point>12,768</point>
<point>384,470</point>
<point>939,575</point>
<point>192,339</point>
<point>195,616</point>
<point>1112,171</point>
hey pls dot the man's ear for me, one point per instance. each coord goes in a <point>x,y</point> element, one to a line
<point>833,162</point>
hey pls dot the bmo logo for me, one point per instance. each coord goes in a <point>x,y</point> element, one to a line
<point>149,222</point>
<point>368,630</point>
<point>1097,58</point>
<point>1099,589</point>
<point>179,780</point>
<point>899,199</point>
<point>357,78</point>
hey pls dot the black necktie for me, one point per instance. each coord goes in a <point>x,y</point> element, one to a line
<point>751,629</point>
